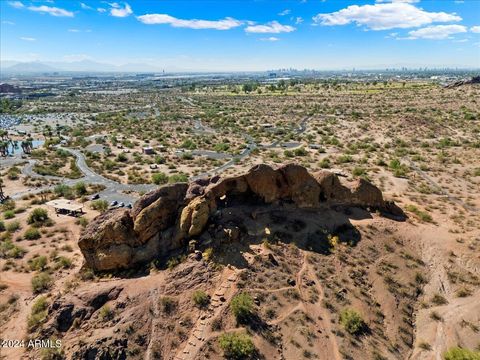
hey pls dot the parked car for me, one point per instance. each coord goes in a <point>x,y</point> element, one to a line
<point>114,203</point>
<point>121,204</point>
<point>129,206</point>
<point>95,197</point>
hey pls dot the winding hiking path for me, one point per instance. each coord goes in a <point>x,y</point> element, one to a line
<point>203,327</point>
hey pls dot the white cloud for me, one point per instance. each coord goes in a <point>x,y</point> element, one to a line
<point>437,32</point>
<point>119,11</point>
<point>85,6</point>
<point>73,30</point>
<point>475,29</point>
<point>284,12</point>
<point>24,38</point>
<point>101,10</point>
<point>16,4</point>
<point>271,38</point>
<point>224,24</point>
<point>298,20</point>
<point>54,11</point>
<point>6,22</point>
<point>384,16</point>
<point>273,27</point>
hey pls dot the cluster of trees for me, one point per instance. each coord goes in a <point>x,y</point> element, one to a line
<point>8,106</point>
<point>6,144</point>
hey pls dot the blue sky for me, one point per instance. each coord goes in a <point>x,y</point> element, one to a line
<point>244,34</point>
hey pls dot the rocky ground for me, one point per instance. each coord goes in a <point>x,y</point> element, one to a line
<point>298,251</point>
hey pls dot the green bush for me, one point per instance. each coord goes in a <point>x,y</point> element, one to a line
<point>32,234</point>
<point>38,263</point>
<point>41,282</point>
<point>237,346</point>
<point>99,205</point>
<point>37,216</point>
<point>9,214</point>
<point>178,178</point>
<point>242,307</point>
<point>64,190</point>
<point>8,250</point>
<point>63,262</point>
<point>80,188</point>
<point>2,226</point>
<point>200,298</point>
<point>159,178</point>
<point>106,313</point>
<point>12,226</point>
<point>458,353</point>
<point>352,321</point>
<point>38,313</point>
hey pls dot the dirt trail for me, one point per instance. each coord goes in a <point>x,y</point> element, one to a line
<point>318,312</point>
<point>153,326</point>
<point>202,328</point>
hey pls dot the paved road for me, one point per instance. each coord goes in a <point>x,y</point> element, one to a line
<point>129,193</point>
<point>126,193</point>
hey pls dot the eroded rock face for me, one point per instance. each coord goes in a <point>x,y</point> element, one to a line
<point>165,219</point>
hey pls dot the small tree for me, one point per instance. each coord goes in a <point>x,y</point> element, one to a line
<point>242,307</point>
<point>38,216</point>
<point>458,353</point>
<point>200,298</point>
<point>237,346</point>
<point>352,321</point>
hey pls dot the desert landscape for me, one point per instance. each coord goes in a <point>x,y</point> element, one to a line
<point>305,219</point>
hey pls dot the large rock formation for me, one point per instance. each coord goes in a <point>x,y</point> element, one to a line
<point>165,219</point>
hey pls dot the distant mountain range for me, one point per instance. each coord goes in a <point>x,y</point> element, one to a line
<point>76,66</point>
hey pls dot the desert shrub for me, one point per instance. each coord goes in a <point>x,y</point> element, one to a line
<point>99,205</point>
<point>201,298</point>
<point>167,304</point>
<point>9,250</point>
<point>325,163</point>
<point>438,299</point>
<point>422,215</point>
<point>38,313</point>
<point>458,353</point>
<point>63,262</point>
<point>106,313</point>
<point>64,190</point>
<point>41,282</point>
<point>82,221</point>
<point>12,226</point>
<point>32,234</point>
<point>9,214</point>
<point>178,178</point>
<point>52,353</point>
<point>80,188</point>
<point>242,307</point>
<point>159,178</point>
<point>38,263</point>
<point>237,345</point>
<point>352,322</point>
<point>8,205</point>
<point>2,226</point>
<point>37,216</point>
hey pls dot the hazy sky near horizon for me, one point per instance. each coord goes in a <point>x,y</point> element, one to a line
<point>244,34</point>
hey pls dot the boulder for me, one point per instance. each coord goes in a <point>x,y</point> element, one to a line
<point>165,219</point>
<point>160,211</point>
